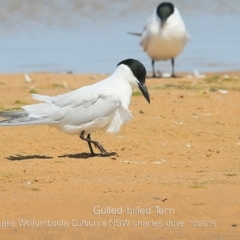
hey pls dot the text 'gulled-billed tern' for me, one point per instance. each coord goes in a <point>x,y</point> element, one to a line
<point>101,106</point>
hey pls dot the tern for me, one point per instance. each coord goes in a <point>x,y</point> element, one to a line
<point>100,106</point>
<point>165,35</point>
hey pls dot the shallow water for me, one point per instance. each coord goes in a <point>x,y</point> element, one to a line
<point>85,36</point>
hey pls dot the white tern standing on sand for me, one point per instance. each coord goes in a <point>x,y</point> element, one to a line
<point>164,35</point>
<point>101,106</point>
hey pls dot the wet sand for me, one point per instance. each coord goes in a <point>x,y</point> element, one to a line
<point>175,173</point>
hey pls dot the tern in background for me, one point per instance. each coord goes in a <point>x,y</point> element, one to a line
<point>164,35</point>
<point>101,106</point>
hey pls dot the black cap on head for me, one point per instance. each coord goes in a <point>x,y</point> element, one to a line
<point>164,10</point>
<point>139,71</point>
<point>137,68</point>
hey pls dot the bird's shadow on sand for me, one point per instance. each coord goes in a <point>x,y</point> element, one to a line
<point>27,157</point>
<point>83,155</point>
<point>86,155</point>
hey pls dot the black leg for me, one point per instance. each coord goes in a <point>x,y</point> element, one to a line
<point>173,73</point>
<point>154,75</point>
<point>90,145</point>
<point>96,144</point>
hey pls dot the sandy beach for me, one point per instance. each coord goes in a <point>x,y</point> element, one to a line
<point>174,171</point>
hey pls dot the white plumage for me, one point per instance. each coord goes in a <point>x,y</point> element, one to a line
<point>101,106</point>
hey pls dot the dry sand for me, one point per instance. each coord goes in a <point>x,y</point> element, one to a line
<point>175,175</point>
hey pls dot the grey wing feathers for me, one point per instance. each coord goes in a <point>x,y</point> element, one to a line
<point>15,118</point>
<point>25,120</point>
<point>11,114</point>
<point>136,34</point>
